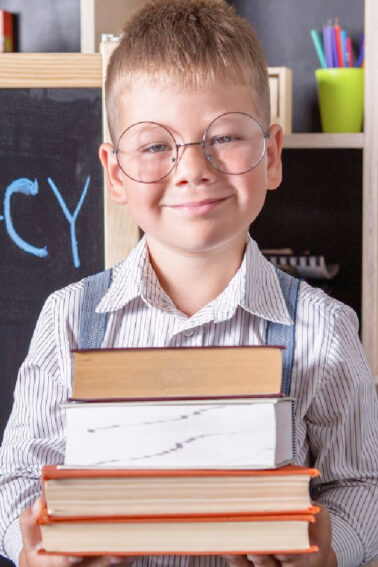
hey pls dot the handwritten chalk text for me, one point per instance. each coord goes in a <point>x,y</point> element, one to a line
<point>30,188</point>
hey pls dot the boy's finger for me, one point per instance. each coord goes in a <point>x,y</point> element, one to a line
<point>263,561</point>
<point>237,560</point>
<point>31,532</point>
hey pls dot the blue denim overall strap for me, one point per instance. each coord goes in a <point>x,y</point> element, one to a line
<point>278,334</point>
<point>92,325</point>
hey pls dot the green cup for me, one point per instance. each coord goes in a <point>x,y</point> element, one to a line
<point>341,99</point>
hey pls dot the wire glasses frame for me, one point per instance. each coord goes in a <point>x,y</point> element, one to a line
<point>202,143</point>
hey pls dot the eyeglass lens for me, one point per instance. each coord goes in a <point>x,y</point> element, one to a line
<point>234,143</point>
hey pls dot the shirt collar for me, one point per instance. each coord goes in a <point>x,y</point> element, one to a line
<point>255,287</point>
<point>262,290</point>
<point>127,280</point>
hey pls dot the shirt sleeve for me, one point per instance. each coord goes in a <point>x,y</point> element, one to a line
<point>343,436</point>
<point>34,435</point>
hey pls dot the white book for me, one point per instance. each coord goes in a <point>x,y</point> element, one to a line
<point>239,433</point>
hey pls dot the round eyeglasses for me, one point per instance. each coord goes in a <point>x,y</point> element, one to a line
<point>233,143</point>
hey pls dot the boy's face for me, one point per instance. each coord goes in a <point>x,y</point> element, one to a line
<point>195,209</point>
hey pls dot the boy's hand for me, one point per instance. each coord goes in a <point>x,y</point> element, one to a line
<point>320,535</point>
<point>31,536</point>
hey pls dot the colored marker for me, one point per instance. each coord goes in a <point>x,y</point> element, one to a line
<point>339,47</point>
<point>335,57</point>
<point>315,36</point>
<point>360,60</point>
<point>344,47</point>
<point>344,37</point>
<point>327,42</point>
<point>349,52</point>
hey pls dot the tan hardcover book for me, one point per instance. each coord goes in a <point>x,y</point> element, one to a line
<point>143,373</point>
<point>79,493</point>
<point>177,535</point>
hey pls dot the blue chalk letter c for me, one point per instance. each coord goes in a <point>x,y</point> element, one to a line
<point>27,187</point>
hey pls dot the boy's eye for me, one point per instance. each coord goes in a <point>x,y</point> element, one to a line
<point>156,148</point>
<point>225,139</point>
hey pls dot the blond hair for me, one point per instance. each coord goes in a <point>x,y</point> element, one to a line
<point>192,42</point>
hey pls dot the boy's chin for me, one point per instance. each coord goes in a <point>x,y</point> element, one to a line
<point>200,245</point>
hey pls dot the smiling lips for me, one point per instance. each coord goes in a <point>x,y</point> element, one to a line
<point>198,208</point>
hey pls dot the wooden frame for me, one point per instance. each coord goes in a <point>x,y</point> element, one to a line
<point>370,193</point>
<point>280,84</point>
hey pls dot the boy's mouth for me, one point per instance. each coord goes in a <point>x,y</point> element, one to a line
<point>199,207</point>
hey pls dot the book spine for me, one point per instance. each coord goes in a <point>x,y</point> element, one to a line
<point>6,32</point>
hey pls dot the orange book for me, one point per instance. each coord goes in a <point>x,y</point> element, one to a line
<point>86,493</point>
<point>206,535</point>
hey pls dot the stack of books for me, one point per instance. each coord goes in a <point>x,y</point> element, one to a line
<point>178,451</point>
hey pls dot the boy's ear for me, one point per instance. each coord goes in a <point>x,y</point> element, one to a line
<point>113,174</point>
<point>273,152</point>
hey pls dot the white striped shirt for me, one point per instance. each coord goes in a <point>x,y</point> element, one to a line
<point>336,410</point>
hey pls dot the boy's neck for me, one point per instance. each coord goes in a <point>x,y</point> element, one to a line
<point>193,280</point>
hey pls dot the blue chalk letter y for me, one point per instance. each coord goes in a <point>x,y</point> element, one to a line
<point>71,218</point>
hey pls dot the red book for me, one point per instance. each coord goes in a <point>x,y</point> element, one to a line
<point>6,32</point>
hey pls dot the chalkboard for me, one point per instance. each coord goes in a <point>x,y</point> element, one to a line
<point>51,208</point>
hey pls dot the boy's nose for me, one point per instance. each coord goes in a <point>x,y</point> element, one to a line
<point>193,166</point>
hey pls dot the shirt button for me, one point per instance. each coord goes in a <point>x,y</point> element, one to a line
<point>188,333</point>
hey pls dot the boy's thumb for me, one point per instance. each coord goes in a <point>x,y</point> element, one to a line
<point>31,532</point>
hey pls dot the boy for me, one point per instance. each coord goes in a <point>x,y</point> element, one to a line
<point>193,157</point>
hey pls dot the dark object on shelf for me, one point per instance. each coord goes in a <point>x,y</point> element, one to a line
<point>305,265</point>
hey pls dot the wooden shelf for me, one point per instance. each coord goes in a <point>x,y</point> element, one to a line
<point>326,141</point>
<point>44,70</point>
